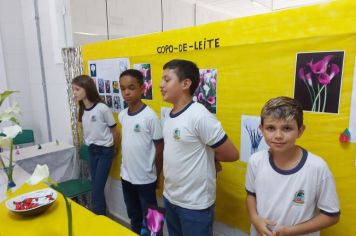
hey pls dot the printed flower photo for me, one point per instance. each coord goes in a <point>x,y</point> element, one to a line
<point>107,86</point>
<point>117,103</point>
<point>206,91</point>
<point>92,68</point>
<point>109,100</point>
<point>251,137</point>
<point>145,69</point>
<point>115,87</point>
<point>101,86</point>
<point>318,81</point>
<point>103,99</point>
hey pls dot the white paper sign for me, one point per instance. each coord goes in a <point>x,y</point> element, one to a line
<point>251,137</point>
<point>106,75</point>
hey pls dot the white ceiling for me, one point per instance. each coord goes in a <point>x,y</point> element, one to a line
<point>135,17</point>
<point>239,8</point>
<point>235,8</point>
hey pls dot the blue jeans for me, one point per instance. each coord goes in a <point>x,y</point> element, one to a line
<point>138,197</point>
<point>186,222</point>
<point>100,159</point>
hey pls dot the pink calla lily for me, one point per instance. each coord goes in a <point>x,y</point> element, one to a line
<point>334,70</point>
<point>324,79</point>
<point>211,100</point>
<point>309,79</point>
<point>321,66</point>
<point>213,82</point>
<point>154,220</point>
<point>145,88</point>
<point>200,97</point>
<point>301,73</point>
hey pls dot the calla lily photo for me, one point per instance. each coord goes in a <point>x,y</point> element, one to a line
<point>145,70</point>
<point>206,91</point>
<point>318,80</point>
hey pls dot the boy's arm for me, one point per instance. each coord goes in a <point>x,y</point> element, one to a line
<point>259,223</point>
<point>317,223</point>
<point>159,159</point>
<point>211,133</point>
<point>154,125</point>
<point>115,136</point>
<point>226,152</point>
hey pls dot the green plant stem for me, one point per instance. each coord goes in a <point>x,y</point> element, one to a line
<point>69,215</point>
<point>318,97</point>
<point>313,93</point>
<point>325,94</point>
<point>9,170</point>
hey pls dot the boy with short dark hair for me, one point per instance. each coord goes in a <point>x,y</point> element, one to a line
<point>142,147</point>
<point>290,191</point>
<point>194,139</point>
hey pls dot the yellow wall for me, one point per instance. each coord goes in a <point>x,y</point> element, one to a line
<point>256,61</point>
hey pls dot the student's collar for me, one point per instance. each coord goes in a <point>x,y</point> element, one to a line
<point>181,111</point>
<point>90,108</point>
<point>294,169</point>
<point>136,112</point>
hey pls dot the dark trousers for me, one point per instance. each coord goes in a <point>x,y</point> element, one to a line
<point>138,197</point>
<point>187,222</point>
<point>100,159</point>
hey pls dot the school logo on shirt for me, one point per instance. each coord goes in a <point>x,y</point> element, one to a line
<point>93,118</point>
<point>299,197</point>
<point>176,134</point>
<point>137,128</point>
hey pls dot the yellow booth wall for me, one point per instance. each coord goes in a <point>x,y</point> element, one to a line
<point>256,58</point>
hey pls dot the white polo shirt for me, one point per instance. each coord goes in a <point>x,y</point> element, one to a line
<point>188,157</point>
<point>97,122</point>
<point>293,196</point>
<point>140,131</point>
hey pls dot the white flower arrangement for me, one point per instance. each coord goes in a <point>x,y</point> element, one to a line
<point>9,133</point>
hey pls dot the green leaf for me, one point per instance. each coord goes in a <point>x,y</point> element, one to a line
<point>2,165</point>
<point>14,120</point>
<point>5,94</point>
<point>7,114</point>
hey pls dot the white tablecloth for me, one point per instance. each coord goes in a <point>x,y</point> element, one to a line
<point>60,160</point>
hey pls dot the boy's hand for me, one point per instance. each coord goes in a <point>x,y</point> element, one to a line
<point>262,226</point>
<point>281,231</point>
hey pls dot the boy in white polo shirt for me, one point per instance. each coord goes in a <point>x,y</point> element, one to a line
<point>290,191</point>
<point>142,147</point>
<point>194,139</point>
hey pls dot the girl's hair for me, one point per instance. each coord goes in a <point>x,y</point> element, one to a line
<point>87,83</point>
